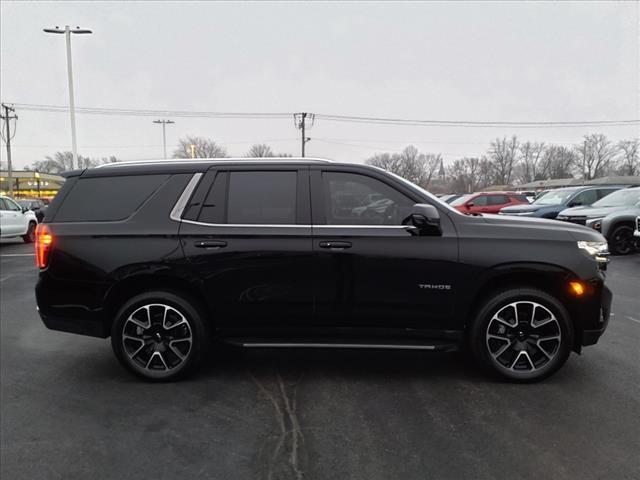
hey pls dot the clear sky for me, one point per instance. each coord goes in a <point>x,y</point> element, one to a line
<point>510,61</point>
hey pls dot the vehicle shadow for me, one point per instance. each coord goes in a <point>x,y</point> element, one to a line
<point>342,364</point>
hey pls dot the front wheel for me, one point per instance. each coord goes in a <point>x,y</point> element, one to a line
<point>30,236</point>
<point>622,241</point>
<point>524,335</point>
<point>159,336</point>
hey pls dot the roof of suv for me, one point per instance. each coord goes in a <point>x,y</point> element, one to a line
<point>188,164</point>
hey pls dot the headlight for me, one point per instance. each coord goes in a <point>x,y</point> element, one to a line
<point>595,223</point>
<point>597,250</point>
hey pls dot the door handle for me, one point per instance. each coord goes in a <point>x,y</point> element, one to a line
<point>335,245</point>
<point>211,244</point>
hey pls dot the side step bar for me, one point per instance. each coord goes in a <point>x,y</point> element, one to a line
<point>433,347</point>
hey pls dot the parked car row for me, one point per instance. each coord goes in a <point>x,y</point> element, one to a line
<point>614,216</point>
<point>610,209</point>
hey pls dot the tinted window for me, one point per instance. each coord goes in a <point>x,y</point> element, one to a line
<point>262,198</point>
<point>213,208</point>
<point>352,199</point>
<point>480,201</point>
<point>2,204</point>
<point>498,199</point>
<point>101,199</point>
<point>520,197</point>
<point>585,198</point>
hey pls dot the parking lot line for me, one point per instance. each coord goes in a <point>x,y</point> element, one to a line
<point>633,319</point>
<point>18,255</point>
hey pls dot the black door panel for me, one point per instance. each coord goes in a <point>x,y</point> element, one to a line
<point>253,274</point>
<point>378,275</point>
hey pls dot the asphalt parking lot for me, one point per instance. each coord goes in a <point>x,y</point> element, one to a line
<point>68,410</point>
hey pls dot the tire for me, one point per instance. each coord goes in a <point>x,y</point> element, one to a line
<point>30,236</point>
<point>159,336</point>
<point>536,349</point>
<point>621,240</point>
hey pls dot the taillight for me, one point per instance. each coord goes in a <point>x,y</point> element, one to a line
<point>44,242</point>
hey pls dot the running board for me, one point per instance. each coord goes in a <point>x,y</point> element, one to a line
<point>433,346</point>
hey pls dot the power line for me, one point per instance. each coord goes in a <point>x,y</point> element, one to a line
<point>331,118</point>
<point>473,123</point>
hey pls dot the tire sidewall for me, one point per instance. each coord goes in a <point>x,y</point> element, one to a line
<point>616,231</point>
<point>500,300</point>
<point>30,236</point>
<point>187,307</point>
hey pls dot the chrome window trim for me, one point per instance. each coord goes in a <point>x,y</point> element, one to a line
<point>178,208</point>
<point>287,225</point>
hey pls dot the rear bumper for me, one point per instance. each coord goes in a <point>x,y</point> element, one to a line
<point>591,336</point>
<point>91,328</point>
<point>71,307</point>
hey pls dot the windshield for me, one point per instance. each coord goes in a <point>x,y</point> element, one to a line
<point>24,203</point>
<point>461,200</point>
<point>620,198</point>
<point>554,198</point>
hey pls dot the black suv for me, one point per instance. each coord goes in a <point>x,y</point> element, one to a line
<point>166,256</point>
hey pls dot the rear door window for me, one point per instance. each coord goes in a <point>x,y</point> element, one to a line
<point>497,199</point>
<point>261,197</point>
<point>105,199</point>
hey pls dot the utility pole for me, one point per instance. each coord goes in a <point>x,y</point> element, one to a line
<point>7,117</point>
<point>164,134</point>
<point>300,121</point>
<point>72,106</point>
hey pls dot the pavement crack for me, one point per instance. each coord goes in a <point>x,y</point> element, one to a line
<point>285,454</point>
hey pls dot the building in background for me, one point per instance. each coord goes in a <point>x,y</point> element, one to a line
<point>30,184</point>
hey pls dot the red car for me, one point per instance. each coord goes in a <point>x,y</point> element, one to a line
<point>487,202</point>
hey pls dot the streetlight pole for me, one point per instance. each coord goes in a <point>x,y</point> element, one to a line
<point>164,134</point>
<point>72,106</point>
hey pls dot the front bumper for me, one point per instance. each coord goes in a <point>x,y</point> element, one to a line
<point>591,336</point>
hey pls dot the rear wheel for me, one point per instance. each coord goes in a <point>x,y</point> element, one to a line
<point>159,336</point>
<point>622,241</point>
<point>30,236</point>
<point>523,335</point>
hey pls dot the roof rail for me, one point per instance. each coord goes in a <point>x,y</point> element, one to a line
<point>215,160</point>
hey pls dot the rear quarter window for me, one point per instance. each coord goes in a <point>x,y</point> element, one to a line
<point>107,199</point>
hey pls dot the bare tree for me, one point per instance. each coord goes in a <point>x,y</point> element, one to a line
<point>557,162</point>
<point>63,161</point>
<point>594,156</point>
<point>203,148</point>
<point>416,167</point>
<point>629,157</point>
<point>470,174</point>
<point>530,165</point>
<point>260,150</point>
<point>502,154</point>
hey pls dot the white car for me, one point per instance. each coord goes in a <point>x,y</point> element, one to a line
<point>16,221</point>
